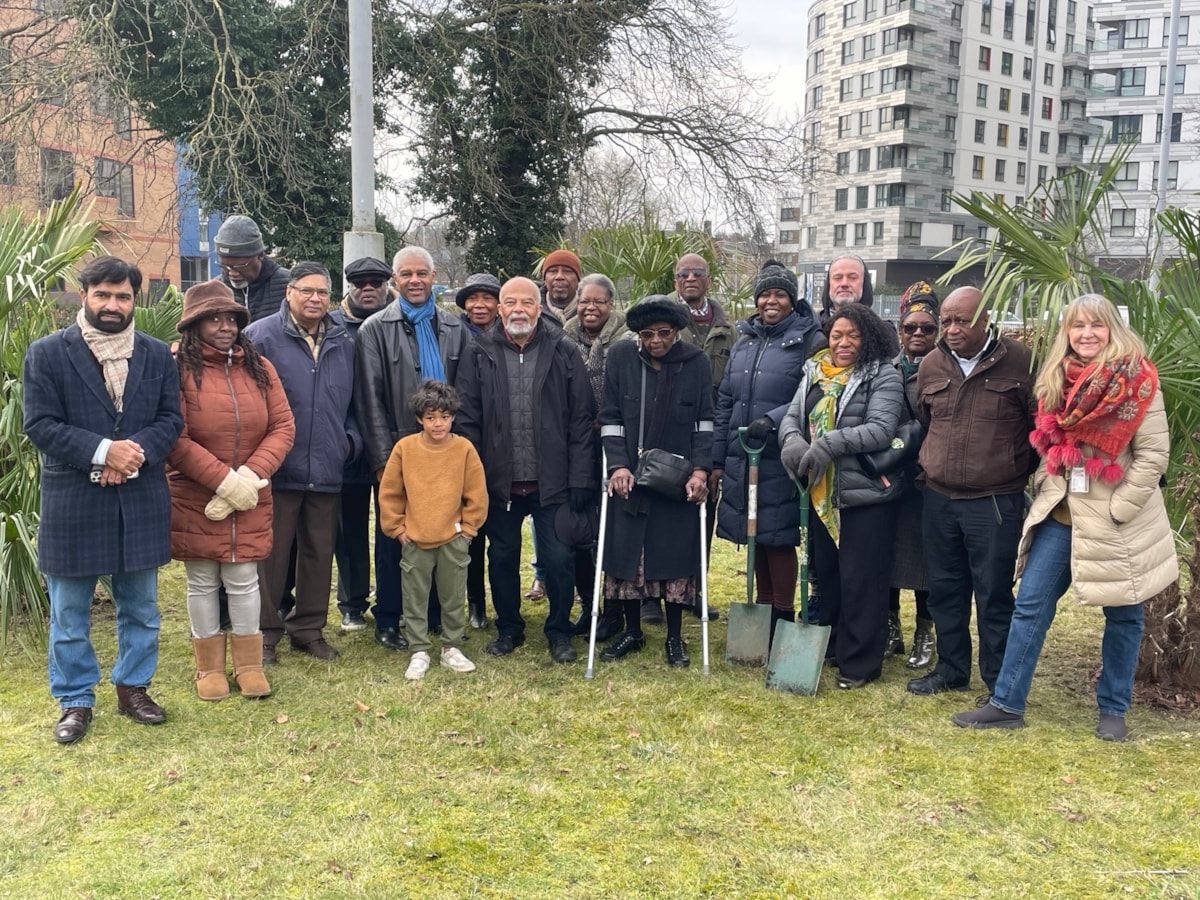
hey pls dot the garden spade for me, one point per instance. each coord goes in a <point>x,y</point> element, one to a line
<point>798,651</point>
<point>748,637</point>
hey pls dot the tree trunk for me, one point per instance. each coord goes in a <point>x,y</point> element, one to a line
<point>1168,671</point>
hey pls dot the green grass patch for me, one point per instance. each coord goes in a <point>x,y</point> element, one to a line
<point>524,779</point>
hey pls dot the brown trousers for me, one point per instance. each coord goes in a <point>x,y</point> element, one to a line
<point>310,518</point>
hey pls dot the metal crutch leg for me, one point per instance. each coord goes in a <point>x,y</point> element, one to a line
<point>704,583</point>
<point>598,582</point>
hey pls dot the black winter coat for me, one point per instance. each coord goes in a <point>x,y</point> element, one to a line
<point>563,412</point>
<point>762,376</point>
<point>262,296</point>
<point>666,530</point>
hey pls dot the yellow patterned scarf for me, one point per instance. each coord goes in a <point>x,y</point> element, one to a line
<point>822,419</point>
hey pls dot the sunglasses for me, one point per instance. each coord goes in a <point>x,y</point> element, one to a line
<point>919,329</point>
<point>363,282</point>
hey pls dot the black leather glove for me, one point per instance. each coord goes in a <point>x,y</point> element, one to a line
<point>579,499</point>
<point>760,429</point>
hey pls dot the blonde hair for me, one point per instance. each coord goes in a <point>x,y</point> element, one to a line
<point>1122,343</point>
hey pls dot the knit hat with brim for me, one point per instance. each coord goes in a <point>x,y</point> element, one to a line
<point>208,298</point>
<point>657,308</point>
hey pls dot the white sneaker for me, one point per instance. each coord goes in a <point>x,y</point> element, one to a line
<point>417,666</point>
<point>453,659</point>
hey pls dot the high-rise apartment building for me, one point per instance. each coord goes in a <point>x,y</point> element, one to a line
<point>1130,77</point>
<point>912,101</point>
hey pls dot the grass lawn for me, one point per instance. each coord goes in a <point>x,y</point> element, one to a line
<point>525,780</point>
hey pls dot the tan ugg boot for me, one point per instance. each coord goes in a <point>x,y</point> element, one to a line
<point>247,650</point>
<point>211,682</point>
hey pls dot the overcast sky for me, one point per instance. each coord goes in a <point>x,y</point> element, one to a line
<point>772,33</point>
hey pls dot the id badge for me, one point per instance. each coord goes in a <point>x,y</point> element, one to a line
<point>1079,482</point>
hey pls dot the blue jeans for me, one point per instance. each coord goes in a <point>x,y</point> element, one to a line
<point>1046,578</point>
<point>74,669</point>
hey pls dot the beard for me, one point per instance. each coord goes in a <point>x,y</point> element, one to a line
<point>107,325</point>
<point>519,329</point>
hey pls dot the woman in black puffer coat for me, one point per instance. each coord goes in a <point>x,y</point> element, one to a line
<point>849,403</point>
<point>763,373</point>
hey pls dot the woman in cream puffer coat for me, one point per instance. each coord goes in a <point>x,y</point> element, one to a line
<point>1098,521</point>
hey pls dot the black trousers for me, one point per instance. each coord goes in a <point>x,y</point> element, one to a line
<point>971,547</point>
<point>353,549</point>
<point>855,576</point>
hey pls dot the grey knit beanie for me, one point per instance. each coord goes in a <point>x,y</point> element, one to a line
<point>239,236</point>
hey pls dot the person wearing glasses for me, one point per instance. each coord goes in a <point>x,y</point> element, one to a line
<point>369,293</point>
<point>975,391</point>
<point>314,358</point>
<point>257,281</point>
<point>918,334</point>
<point>764,372</point>
<point>528,409</point>
<point>410,342</point>
<point>657,394</point>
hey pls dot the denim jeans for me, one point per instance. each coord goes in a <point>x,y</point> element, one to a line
<point>1046,578</point>
<point>74,669</point>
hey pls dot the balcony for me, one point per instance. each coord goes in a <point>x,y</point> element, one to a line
<point>923,16</point>
<point>1084,125</point>
<point>1075,59</point>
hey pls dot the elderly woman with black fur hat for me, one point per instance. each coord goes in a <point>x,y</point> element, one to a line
<point>657,394</point>
<point>761,378</point>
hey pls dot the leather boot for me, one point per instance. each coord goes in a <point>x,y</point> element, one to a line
<point>777,616</point>
<point>922,645</point>
<point>247,651</point>
<point>895,639</point>
<point>211,682</point>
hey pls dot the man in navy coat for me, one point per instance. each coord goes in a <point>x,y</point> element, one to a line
<point>102,406</point>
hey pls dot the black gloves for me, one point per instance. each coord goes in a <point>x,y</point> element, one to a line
<point>579,499</point>
<point>760,429</point>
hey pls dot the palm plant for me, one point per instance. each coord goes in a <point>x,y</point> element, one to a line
<point>34,255</point>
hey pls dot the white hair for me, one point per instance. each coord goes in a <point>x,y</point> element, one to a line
<point>413,250</point>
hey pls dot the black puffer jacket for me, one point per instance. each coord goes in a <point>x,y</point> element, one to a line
<point>868,413</point>
<point>563,412</point>
<point>262,296</point>
<point>762,376</point>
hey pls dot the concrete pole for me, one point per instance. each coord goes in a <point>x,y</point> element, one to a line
<point>362,239</point>
<point>1164,148</point>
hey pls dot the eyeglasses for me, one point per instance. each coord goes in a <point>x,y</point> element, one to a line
<point>594,302</point>
<point>919,329</point>
<point>373,282</point>
<point>307,292</point>
<point>682,274</point>
<point>651,333</point>
<point>237,267</point>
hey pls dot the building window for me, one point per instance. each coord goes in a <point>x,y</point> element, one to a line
<point>976,167</point>
<point>1180,72</point>
<point>1002,135</point>
<point>789,237</point>
<point>868,42</point>
<point>891,40</point>
<point>1134,33</point>
<point>1022,138</point>
<point>959,232</point>
<point>985,59</point>
<point>1176,127</point>
<point>985,20</point>
<point>1043,142</point>
<point>1131,82</point>
<point>893,156</point>
<point>1129,128</point>
<point>850,13</point>
<point>912,231</point>
<point>862,197</point>
<point>1024,104</point>
<point>1027,69</point>
<point>864,159</point>
<point>1172,176</point>
<point>847,51</point>
<point>843,163</point>
<point>1048,74</point>
<point>980,131</point>
<point>839,235</point>
<point>817,95</point>
<point>1042,174</point>
<point>1000,167</point>
<point>1008,21</point>
<point>864,121</point>
<point>810,237</point>
<point>860,234</point>
<point>955,48</point>
<point>877,232</point>
<point>1124,221</point>
<point>841,199</point>
<point>789,214</point>
<point>192,270</point>
<point>1020,176</point>
<point>846,89</point>
<point>947,200</point>
<point>1063,141</point>
<point>870,10</point>
<point>952,88</point>
<point>1030,21</point>
<point>951,126</point>
<point>58,174</point>
<point>816,63</point>
<point>1048,108</point>
<point>819,25</point>
<point>981,94</point>
<point>1126,178</point>
<point>1183,31</point>
<point>1071,7</point>
<point>866,84</point>
<point>115,180</point>
<point>956,14</point>
<point>948,163</point>
<point>1005,99</point>
<point>811,203</point>
<point>843,126</point>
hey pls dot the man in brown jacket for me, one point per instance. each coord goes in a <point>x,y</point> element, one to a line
<point>976,400</point>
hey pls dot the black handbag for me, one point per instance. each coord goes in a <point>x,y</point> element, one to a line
<point>902,451</point>
<point>660,470</point>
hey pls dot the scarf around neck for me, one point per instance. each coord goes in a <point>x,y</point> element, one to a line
<point>832,381</point>
<point>113,352</point>
<point>1103,406</point>
<point>429,354</point>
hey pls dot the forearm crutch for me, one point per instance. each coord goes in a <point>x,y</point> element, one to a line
<point>590,672</point>
<point>703,582</point>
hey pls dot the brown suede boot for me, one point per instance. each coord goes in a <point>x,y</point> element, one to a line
<point>211,682</point>
<point>247,650</point>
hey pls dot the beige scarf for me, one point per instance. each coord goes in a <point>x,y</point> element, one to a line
<point>113,352</point>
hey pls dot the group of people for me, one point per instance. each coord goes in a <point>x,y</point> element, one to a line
<point>255,452</point>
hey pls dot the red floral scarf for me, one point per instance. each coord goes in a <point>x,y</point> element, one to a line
<point>1102,408</point>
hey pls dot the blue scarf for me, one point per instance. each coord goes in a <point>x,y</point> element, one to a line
<point>427,346</point>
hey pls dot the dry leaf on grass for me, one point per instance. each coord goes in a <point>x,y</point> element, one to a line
<point>281,719</point>
<point>361,707</point>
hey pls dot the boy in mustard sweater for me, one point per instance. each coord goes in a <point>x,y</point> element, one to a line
<point>433,499</point>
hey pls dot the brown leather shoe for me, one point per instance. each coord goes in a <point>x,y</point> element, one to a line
<point>537,590</point>
<point>317,648</point>
<point>136,703</point>
<point>73,724</point>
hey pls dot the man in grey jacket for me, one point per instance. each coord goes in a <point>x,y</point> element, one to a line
<point>399,348</point>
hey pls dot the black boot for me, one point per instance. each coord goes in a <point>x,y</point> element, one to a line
<point>777,616</point>
<point>895,639</point>
<point>922,645</point>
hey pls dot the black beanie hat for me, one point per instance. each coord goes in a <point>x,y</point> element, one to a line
<point>774,275</point>
<point>657,308</point>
